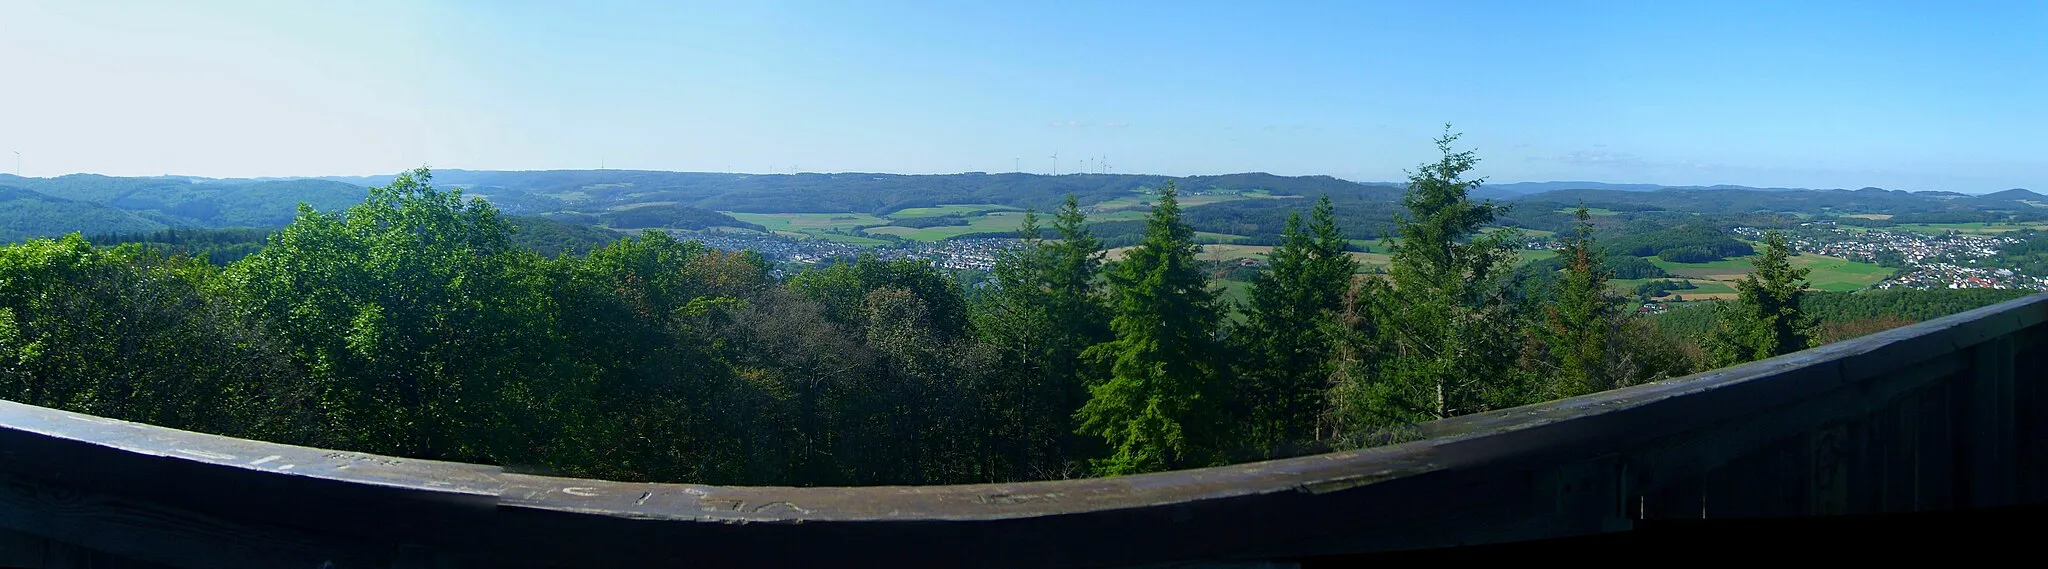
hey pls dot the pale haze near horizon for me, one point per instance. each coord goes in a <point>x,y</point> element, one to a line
<point>1807,94</point>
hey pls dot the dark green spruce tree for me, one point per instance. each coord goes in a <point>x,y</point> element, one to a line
<point>1437,338</point>
<point>1287,328</point>
<point>1158,406</point>
<point>1044,310</point>
<point>1766,319</point>
<point>1578,324</point>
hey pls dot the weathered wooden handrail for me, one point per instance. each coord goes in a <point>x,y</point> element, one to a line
<point>1939,415</point>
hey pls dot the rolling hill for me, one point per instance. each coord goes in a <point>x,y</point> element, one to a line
<point>27,214</point>
<point>1223,205</point>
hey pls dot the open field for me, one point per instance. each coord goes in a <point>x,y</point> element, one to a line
<point>1119,215</point>
<point>1876,216</point>
<point>1122,203</point>
<point>1828,273</point>
<point>1838,274</point>
<point>987,218</point>
<point>1706,288</point>
<point>995,221</point>
<point>1372,245</point>
<point>819,225</point>
<point>962,209</point>
<point>808,222</point>
<point>1233,252</point>
<point>824,225</point>
<point>1220,237</point>
<point>1187,200</point>
<point>1590,211</point>
<point>1234,292</point>
<point>1725,269</point>
<point>624,207</point>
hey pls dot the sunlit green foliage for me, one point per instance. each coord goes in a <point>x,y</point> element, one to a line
<point>1439,337</point>
<point>1160,404</point>
<point>1767,320</point>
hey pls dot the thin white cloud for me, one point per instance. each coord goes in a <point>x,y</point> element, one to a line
<point>1599,157</point>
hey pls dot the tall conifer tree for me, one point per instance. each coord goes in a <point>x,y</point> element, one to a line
<point>1045,309</point>
<point>1291,305</point>
<point>1157,407</point>
<point>1578,321</point>
<point>1437,338</point>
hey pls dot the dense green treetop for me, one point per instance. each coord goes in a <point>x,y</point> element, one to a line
<point>1159,406</point>
<point>1439,336</point>
<point>1768,319</point>
<point>1289,328</point>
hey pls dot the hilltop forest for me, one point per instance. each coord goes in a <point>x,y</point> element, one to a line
<point>426,322</point>
<point>1245,209</point>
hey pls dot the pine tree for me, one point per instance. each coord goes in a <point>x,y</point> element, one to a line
<point>1437,338</point>
<point>1579,320</point>
<point>1766,319</point>
<point>1287,327</point>
<point>1044,311</point>
<point>1157,407</point>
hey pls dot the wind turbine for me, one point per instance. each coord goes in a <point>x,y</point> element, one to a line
<point>1055,163</point>
<point>17,163</point>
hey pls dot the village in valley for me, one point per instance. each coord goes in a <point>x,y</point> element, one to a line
<point>977,254</point>
<point>1951,259</point>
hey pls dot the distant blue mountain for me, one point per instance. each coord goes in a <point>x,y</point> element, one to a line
<point>1526,188</point>
<point>2015,194</point>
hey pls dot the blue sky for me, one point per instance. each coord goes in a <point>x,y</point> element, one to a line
<point>1910,95</point>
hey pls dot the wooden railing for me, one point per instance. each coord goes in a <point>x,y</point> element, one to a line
<point>1940,415</point>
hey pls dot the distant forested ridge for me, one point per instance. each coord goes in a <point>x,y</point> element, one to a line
<point>25,213</point>
<point>848,192</point>
<point>635,199</point>
<point>672,217</point>
<point>1364,212</point>
<point>625,199</point>
<point>1813,202</point>
<point>182,201</point>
